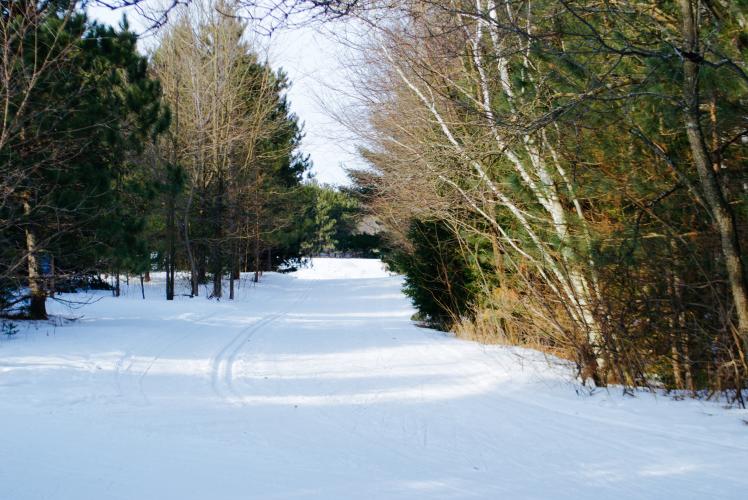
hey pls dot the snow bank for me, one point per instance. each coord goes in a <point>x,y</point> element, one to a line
<point>325,268</point>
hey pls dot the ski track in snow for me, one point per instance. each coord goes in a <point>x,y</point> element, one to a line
<point>316,385</point>
<point>165,349</point>
<point>223,362</point>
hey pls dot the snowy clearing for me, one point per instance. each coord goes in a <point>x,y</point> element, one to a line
<point>317,385</point>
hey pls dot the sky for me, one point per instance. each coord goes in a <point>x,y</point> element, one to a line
<point>310,59</point>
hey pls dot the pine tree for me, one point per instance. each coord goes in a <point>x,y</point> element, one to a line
<point>82,196</point>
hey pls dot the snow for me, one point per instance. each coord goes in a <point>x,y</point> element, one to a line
<point>329,268</point>
<point>317,385</point>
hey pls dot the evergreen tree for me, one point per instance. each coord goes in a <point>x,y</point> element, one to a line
<point>81,196</point>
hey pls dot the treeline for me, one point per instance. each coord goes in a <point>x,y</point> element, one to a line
<point>115,163</point>
<point>79,109</point>
<point>233,201</point>
<point>567,175</point>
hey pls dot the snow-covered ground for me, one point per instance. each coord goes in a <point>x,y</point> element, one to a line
<point>317,385</point>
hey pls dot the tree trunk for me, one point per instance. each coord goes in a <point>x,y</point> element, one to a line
<point>676,319</point>
<point>231,284</point>
<point>217,273</point>
<point>171,251</point>
<point>202,265</point>
<point>216,254</point>
<point>675,358</point>
<point>687,364</point>
<point>236,264</point>
<point>142,288</point>
<point>724,216</point>
<point>233,268</point>
<point>51,282</point>
<point>194,276</point>
<point>257,253</point>
<point>38,304</point>
<point>169,292</point>
<point>188,245</point>
<point>194,272</point>
<point>147,277</point>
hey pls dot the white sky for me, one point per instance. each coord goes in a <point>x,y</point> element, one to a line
<point>310,59</point>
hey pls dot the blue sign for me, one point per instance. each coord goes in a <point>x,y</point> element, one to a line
<point>45,264</point>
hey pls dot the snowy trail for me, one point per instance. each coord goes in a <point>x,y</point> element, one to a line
<point>312,387</point>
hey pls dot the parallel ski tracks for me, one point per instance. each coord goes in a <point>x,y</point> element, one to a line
<point>221,364</point>
<point>121,370</point>
<point>222,377</point>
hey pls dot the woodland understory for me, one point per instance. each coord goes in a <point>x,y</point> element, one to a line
<point>568,175</point>
<point>116,163</point>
